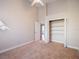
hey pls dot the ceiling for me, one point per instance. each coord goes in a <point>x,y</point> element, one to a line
<point>45,1</point>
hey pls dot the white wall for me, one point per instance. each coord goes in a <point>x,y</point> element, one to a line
<point>41,14</point>
<point>65,9</point>
<point>73,28</point>
<point>56,10</point>
<point>19,16</point>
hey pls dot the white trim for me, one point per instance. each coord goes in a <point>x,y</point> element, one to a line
<point>17,46</point>
<point>77,48</point>
<point>65,32</point>
<point>57,41</point>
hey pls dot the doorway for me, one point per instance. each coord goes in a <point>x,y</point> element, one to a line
<point>57,30</point>
<point>42,32</point>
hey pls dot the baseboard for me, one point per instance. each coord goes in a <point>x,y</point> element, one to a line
<point>2,51</point>
<point>77,48</point>
<point>57,41</point>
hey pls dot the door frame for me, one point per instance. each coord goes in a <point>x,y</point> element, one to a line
<point>36,32</point>
<point>65,30</point>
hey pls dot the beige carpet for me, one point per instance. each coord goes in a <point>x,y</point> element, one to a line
<point>41,50</point>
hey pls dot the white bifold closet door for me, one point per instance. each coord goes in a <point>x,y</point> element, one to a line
<point>57,31</point>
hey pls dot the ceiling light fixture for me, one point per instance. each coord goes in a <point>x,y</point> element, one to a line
<point>37,2</point>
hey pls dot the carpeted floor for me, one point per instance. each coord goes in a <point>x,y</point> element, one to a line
<point>41,50</point>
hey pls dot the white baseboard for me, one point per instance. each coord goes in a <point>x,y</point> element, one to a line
<point>8,49</point>
<point>57,41</point>
<point>77,48</point>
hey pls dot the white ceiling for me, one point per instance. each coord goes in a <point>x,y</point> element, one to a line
<point>45,1</point>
